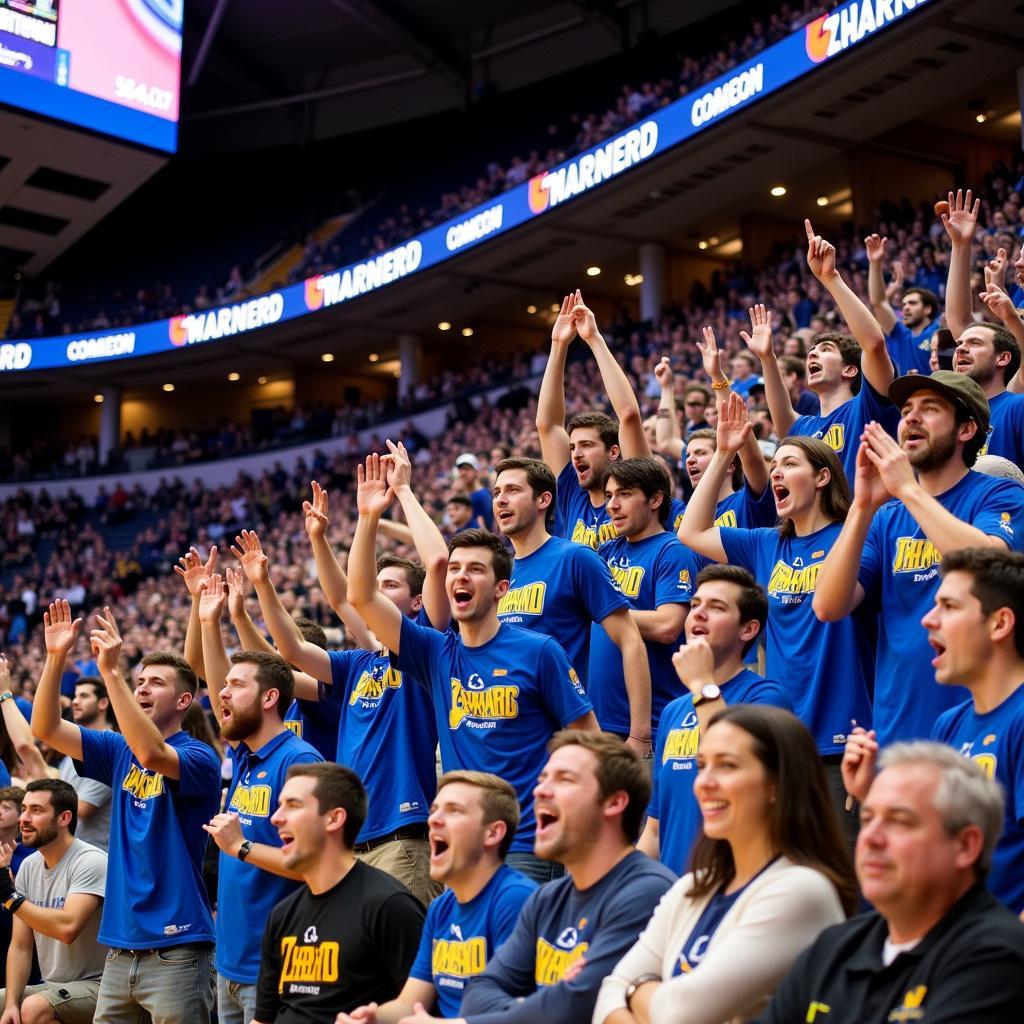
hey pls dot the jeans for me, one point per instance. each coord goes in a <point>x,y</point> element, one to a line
<point>173,985</point>
<point>532,866</point>
<point>236,1001</point>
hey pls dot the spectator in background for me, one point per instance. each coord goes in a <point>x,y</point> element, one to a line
<point>467,471</point>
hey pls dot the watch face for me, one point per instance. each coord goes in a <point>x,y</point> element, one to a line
<point>710,692</point>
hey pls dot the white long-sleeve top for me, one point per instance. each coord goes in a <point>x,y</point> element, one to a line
<point>778,915</point>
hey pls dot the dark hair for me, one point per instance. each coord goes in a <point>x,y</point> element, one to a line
<point>459,499</point>
<point>187,681</point>
<point>606,427</point>
<point>63,797</point>
<point>501,560</point>
<point>752,602</point>
<point>415,574</point>
<point>997,582</point>
<point>312,632</point>
<point>619,769</point>
<point>272,673</point>
<point>13,794</point>
<point>835,496</point>
<point>699,389</point>
<point>196,723</point>
<point>1004,341</point>
<point>928,298</point>
<point>803,826</point>
<point>849,350</point>
<point>643,474</point>
<point>538,476</point>
<point>710,434</point>
<point>336,786</point>
<point>497,798</point>
<point>791,364</point>
<point>97,685</point>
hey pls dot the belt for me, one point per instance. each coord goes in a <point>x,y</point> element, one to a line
<point>414,831</point>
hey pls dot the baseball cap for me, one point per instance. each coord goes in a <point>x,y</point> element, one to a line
<point>467,459</point>
<point>957,388</point>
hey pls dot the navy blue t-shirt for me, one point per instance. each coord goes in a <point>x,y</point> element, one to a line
<point>496,705</point>
<point>911,352</point>
<point>459,939</point>
<point>156,897</point>
<point>559,591</point>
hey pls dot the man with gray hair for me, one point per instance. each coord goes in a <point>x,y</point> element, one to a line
<point>938,947</point>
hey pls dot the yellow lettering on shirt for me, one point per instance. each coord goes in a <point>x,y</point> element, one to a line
<point>987,763</point>
<point>592,538</point>
<point>789,579</point>
<point>914,554</point>
<point>489,703</point>
<point>727,518</point>
<point>681,743</point>
<point>370,688</point>
<point>551,962</point>
<point>910,1009</point>
<point>251,800</point>
<point>525,600</point>
<point>295,725</point>
<point>143,784</point>
<point>459,959</point>
<point>814,1009</point>
<point>835,437</point>
<point>628,578</point>
<point>307,964</point>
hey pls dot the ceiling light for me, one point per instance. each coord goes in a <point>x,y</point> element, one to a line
<point>713,240</point>
<point>531,309</point>
<point>555,307</point>
<point>822,200</point>
<point>261,380</point>
<point>634,279</point>
<point>234,376</point>
<point>168,387</point>
<point>593,271</point>
<point>702,244</point>
<point>444,326</point>
<point>778,191</point>
<point>327,357</point>
<point>374,357</point>
<point>981,119</point>
<point>467,332</point>
<point>98,399</point>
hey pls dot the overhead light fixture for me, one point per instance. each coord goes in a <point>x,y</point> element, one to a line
<point>374,357</point>
<point>822,200</point>
<point>778,191</point>
<point>261,380</point>
<point>327,357</point>
<point>531,309</point>
<point>713,240</point>
<point>444,326</point>
<point>633,279</point>
<point>168,387</point>
<point>593,271</point>
<point>234,376</point>
<point>702,244</point>
<point>467,332</point>
<point>981,119</point>
<point>555,307</point>
<point>98,399</point>
<point>397,374</point>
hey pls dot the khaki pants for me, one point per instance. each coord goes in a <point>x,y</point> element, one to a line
<point>73,1002</point>
<point>408,860</point>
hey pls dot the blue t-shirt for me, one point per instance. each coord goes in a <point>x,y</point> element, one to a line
<point>576,519</point>
<point>483,507</point>
<point>317,722</point>
<point>496,705</point>
<point>656,571</point>
<point>899,571</point>
<point>387,737</point>
<point>842,428</point>
<point>742,387</point>
<point>824,665</point>
<point>911,352</point>
<point>746,510</point>
<point>675,763</point>
<point>995,741</point>
<point>676,510</point>
<point>5,776</point>
<point>459,939</point>
<point>559,591</point>
<point>1006,428</point>
<point>25,707</point>
<point>245,893</point>
<point>156,897</point>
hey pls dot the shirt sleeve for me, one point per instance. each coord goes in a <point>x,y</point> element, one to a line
<point>398,927</point>
<point>770,692</point>
<point>93,792</point>
<point>89,874</point>
<point>268,1002</point>
<point>507,907</point>
<point>760,507</point>
<point>560,688</point>
<point>674,575</point>
<point>1002,514</point>
<point>341,664</point>
<point>421,649</point>
<point>199,771</point>
<point>792,997</point>
<point>594,585</point>
<point>423,966</point>
<point>741,546</point>
<point>100,751</point>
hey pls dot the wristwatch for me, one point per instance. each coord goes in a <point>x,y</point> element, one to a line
<point>6,695</point>
<point>708,692</point>
<point>634,985</point>
<point>244,850</point>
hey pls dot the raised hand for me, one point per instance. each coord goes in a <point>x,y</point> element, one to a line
<point>858,764</point>
<point>59,631</point>
<point>663,374</point>
<point>695,664</point>
<point>373,496</point>
<point>316,514</point>
<point>759,340</point>
<point>249,552</point>
<point>106,642</point>
<point>869,492</point>
<point>821,255</point>
<point>194,571</point>
<point>564,330</point>
<point>584,320</point>
<point>710,355</point>
<point>399,468</point>
<point>214,597</point>
<point>995,270</point>
<point>5,674</point>
<point>733,425</point>
<point>962,220</point>
<point>889,459</point>
<point>999,304</point>
<point>226,830</point>
<point>875,248</point>
<point>895,286</point>
<point>236,584</point>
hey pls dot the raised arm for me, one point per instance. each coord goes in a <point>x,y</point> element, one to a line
<point>554,441</point>
<point>333,581</point>
<point>632,437</point>
<point>60,632</point>
<point>140,733</point>
<point>194,571</point>
<point>875,362</point>
<point>373,498</point>
<point>290,643</point>
<point>780,405</point>
<point>698,530</point>
<point>875,247</point>
<point>18,729</point>
<point>226,831</point>
<point>430,545</point>
<point>1001,306</point>
<point>667,431</point>
<point>215,657</point>
<point>960,223</point>
<point>250,638</point>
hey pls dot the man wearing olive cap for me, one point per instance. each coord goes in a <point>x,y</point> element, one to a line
<point>915,500</point>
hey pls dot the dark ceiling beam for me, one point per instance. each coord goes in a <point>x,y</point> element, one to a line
<point>608,16</point>
<point>206,42</point>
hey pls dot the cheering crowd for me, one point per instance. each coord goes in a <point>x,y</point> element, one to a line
<point>593,752</point>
